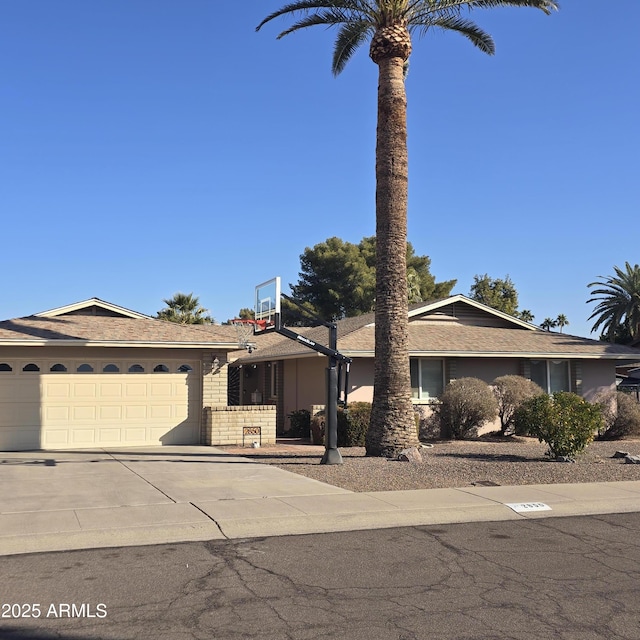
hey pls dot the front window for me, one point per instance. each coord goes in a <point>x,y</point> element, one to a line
<point>551,375</point>
<point>427,378</point>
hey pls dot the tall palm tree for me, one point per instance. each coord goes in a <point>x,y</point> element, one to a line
<point>547,324</point>
<point>388,26</point>
<point>184,308</point>
<point>561,321</point>
<point>618,308</point>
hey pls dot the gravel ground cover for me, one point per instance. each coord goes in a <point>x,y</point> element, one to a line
<point>450,464</point>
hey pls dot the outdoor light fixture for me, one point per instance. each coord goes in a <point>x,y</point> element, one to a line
<point>215,365</point>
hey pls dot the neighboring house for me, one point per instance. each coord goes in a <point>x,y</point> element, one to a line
<point>95,374</point>
<point>452,338</point>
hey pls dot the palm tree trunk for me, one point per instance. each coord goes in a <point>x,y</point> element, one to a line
<point>392,420</point>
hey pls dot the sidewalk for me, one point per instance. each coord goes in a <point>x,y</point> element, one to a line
<point>56,500</point>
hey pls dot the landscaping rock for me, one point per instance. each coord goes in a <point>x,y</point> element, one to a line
<point>412,454</point>
<point>632,459</point>
<point>620,454</point>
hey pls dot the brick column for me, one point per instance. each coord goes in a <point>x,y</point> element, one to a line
<point>214,379</point>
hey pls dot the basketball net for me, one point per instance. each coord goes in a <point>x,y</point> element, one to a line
<point>245,329</point>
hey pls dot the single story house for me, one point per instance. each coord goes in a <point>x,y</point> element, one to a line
<point>451,338</point>
<point>93,374</point>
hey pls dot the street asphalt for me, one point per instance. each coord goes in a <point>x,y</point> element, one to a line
<point>66,500</point>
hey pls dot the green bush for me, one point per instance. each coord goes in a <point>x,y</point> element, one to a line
<point>300,424</point>
<point>623,421</point>
<point>353,424</point>
<point>564,421</point>
<point>510,393</point>
<point>465,405</point>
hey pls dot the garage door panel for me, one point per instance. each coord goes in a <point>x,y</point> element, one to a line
<point>55,413</point>
<point>109,435</point>
<point>113,412</point>
<point>135,435</point>
<point>57,390</point>
<point>17,414</point>
<point>135,390</point>
<point>55,438</point>
<point>164,390</point>
<point>84,414</point>
<point>23,438</point>
<point>110,390</point>
<point>161,411</point>
<point>83,437</point>
<point>135,412</point>
<point>182,411</point>
<point>19,389</point>
<point>85,390</point>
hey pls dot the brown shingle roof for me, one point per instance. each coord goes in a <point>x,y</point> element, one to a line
<point>356,338</point>
<point>99,329</point>
<point>474,340</point>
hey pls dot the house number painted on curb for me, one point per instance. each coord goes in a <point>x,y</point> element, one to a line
<point>521,507</point>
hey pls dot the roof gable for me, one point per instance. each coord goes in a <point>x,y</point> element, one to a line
<point>92,307</point>
<point>466,311</point>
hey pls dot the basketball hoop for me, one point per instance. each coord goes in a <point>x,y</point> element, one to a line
<point>245,328</point>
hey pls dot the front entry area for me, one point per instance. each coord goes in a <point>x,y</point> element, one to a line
<point>74,404</point>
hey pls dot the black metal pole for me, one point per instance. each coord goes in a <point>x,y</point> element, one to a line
<point>331,452</point>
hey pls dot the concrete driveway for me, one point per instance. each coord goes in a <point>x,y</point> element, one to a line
<point>90,498</point>
<point>61,500</point>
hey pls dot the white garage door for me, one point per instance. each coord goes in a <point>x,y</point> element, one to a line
<point>71,405</point>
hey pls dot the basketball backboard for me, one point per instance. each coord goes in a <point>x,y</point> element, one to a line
<point>267,305</point>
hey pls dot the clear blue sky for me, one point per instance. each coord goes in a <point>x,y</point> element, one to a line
<point>155,146</point>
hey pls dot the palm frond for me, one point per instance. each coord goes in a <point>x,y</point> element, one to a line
<point>445,6</point>
<point>468,29</point>
<point>329,17</point>
<point>544,5</point>
<point>618,299</point>
<point>305,6</point>
<point>349,38</point>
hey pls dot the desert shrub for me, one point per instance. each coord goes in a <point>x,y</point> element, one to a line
<point>317,427</point>
<point>353,424</point>
<point>428,423</point>
<point>620,423</point>
<point>606,400</point>
<point>510,393</point>
<point>465,405</point>
<point>300,424</point>
<point>564,421</point>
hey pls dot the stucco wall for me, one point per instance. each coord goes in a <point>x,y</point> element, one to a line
<point>597,377</point>
<point>304,384</point>
<point>361,380</point>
